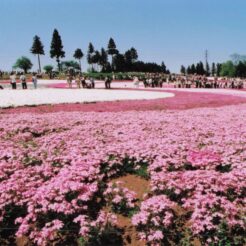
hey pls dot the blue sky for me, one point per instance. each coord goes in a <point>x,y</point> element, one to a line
<point>174,31</point>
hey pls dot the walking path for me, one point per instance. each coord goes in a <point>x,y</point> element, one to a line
<point>56,92</point>
<point>13,98</point>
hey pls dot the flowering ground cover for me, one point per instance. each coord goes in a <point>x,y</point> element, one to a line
<point>63,177</point>
<point>181,100</point>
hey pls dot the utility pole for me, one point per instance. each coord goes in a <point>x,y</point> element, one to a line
<point>206,56</point>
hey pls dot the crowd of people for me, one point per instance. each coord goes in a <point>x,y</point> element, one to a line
<point>208,82</point>
<point>191,81</point>
<point>148,80</point>
<point>84,82</point>
<point>13,80</point>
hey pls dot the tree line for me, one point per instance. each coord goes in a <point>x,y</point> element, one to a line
<point>98,60</point>
<point>231,68</point>
<point>201,69</point>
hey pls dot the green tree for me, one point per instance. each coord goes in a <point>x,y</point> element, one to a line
<point>200,68</point>
<point>103,59</point>
<point>95,59</point>
<point>163,67</point>
<point>182,69</point>
<point>228,69</point>
<point>130,57</point>
<point>119,63</point>
<point>23,63</point>
<point>241,69</point>
<point>90,52</point>
<point>65,65</point>
<point>213,70</point>
<point>56,48</point>
<point>112,50</point>
<point>48,68</point>
<point>134,54</point>
<point>128,60</point>
<point>218,69</point>
<point>193,69</point>
<point>37,49</point>
<point>188,70</point>
<point>78,54</point>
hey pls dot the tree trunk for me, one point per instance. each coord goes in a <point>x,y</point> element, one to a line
<point>112,60</point>
<point>80,65</point>
<point>39,65</point>
<point>58,64</point>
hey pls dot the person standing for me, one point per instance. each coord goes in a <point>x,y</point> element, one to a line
<point>13,80</point>
<point>92,81</point>
<point>108,81</point>
<point>136,81</point>
<point>83,82</point>
<point>34,80</point>
<point>78,81</point>
<point>23,81</point>
<point>69,80</point>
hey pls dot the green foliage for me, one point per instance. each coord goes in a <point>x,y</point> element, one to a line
<point>103,59</point>
<point>112,47</point>
<point>142,171</point>
<point>241,69</point>
<point>65,65</point>
<point>110,236</point>
<point>37,47</point>
<point>56,48</point>
<point>228,69</point>
<point>134,54</point>
<point>48,68</point>
<point>213,70</point>
<point>78,54</point>
<point>7,226</point>
<point>218,69</point>
<point>183,70</point>
<point>23,63</point>
<point>195,69</point>
<point>226,236</point>
<point>200,68</point>
<point>90,54</point>
<point>91,48</point>
<point>112,51</point>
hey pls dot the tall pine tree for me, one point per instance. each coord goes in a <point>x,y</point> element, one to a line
<point>103,59</point>
<point>90,52</point>
<point>213,70</point>
<point>134,54</point>
<point>78,54</point>
<point>218,69</point>
<point>37,49</point>
<point>193,69</point>
<point>163,67</point>
<point>112,50</point>
<point>182,69</point>
<point>56,48</point>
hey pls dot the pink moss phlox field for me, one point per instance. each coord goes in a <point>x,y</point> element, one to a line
<point>116,194</point>
<point>52,167</point>
<point>181,100</point>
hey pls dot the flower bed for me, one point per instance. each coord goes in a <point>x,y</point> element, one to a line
<point>181,100</point>
<point>57,175</point>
